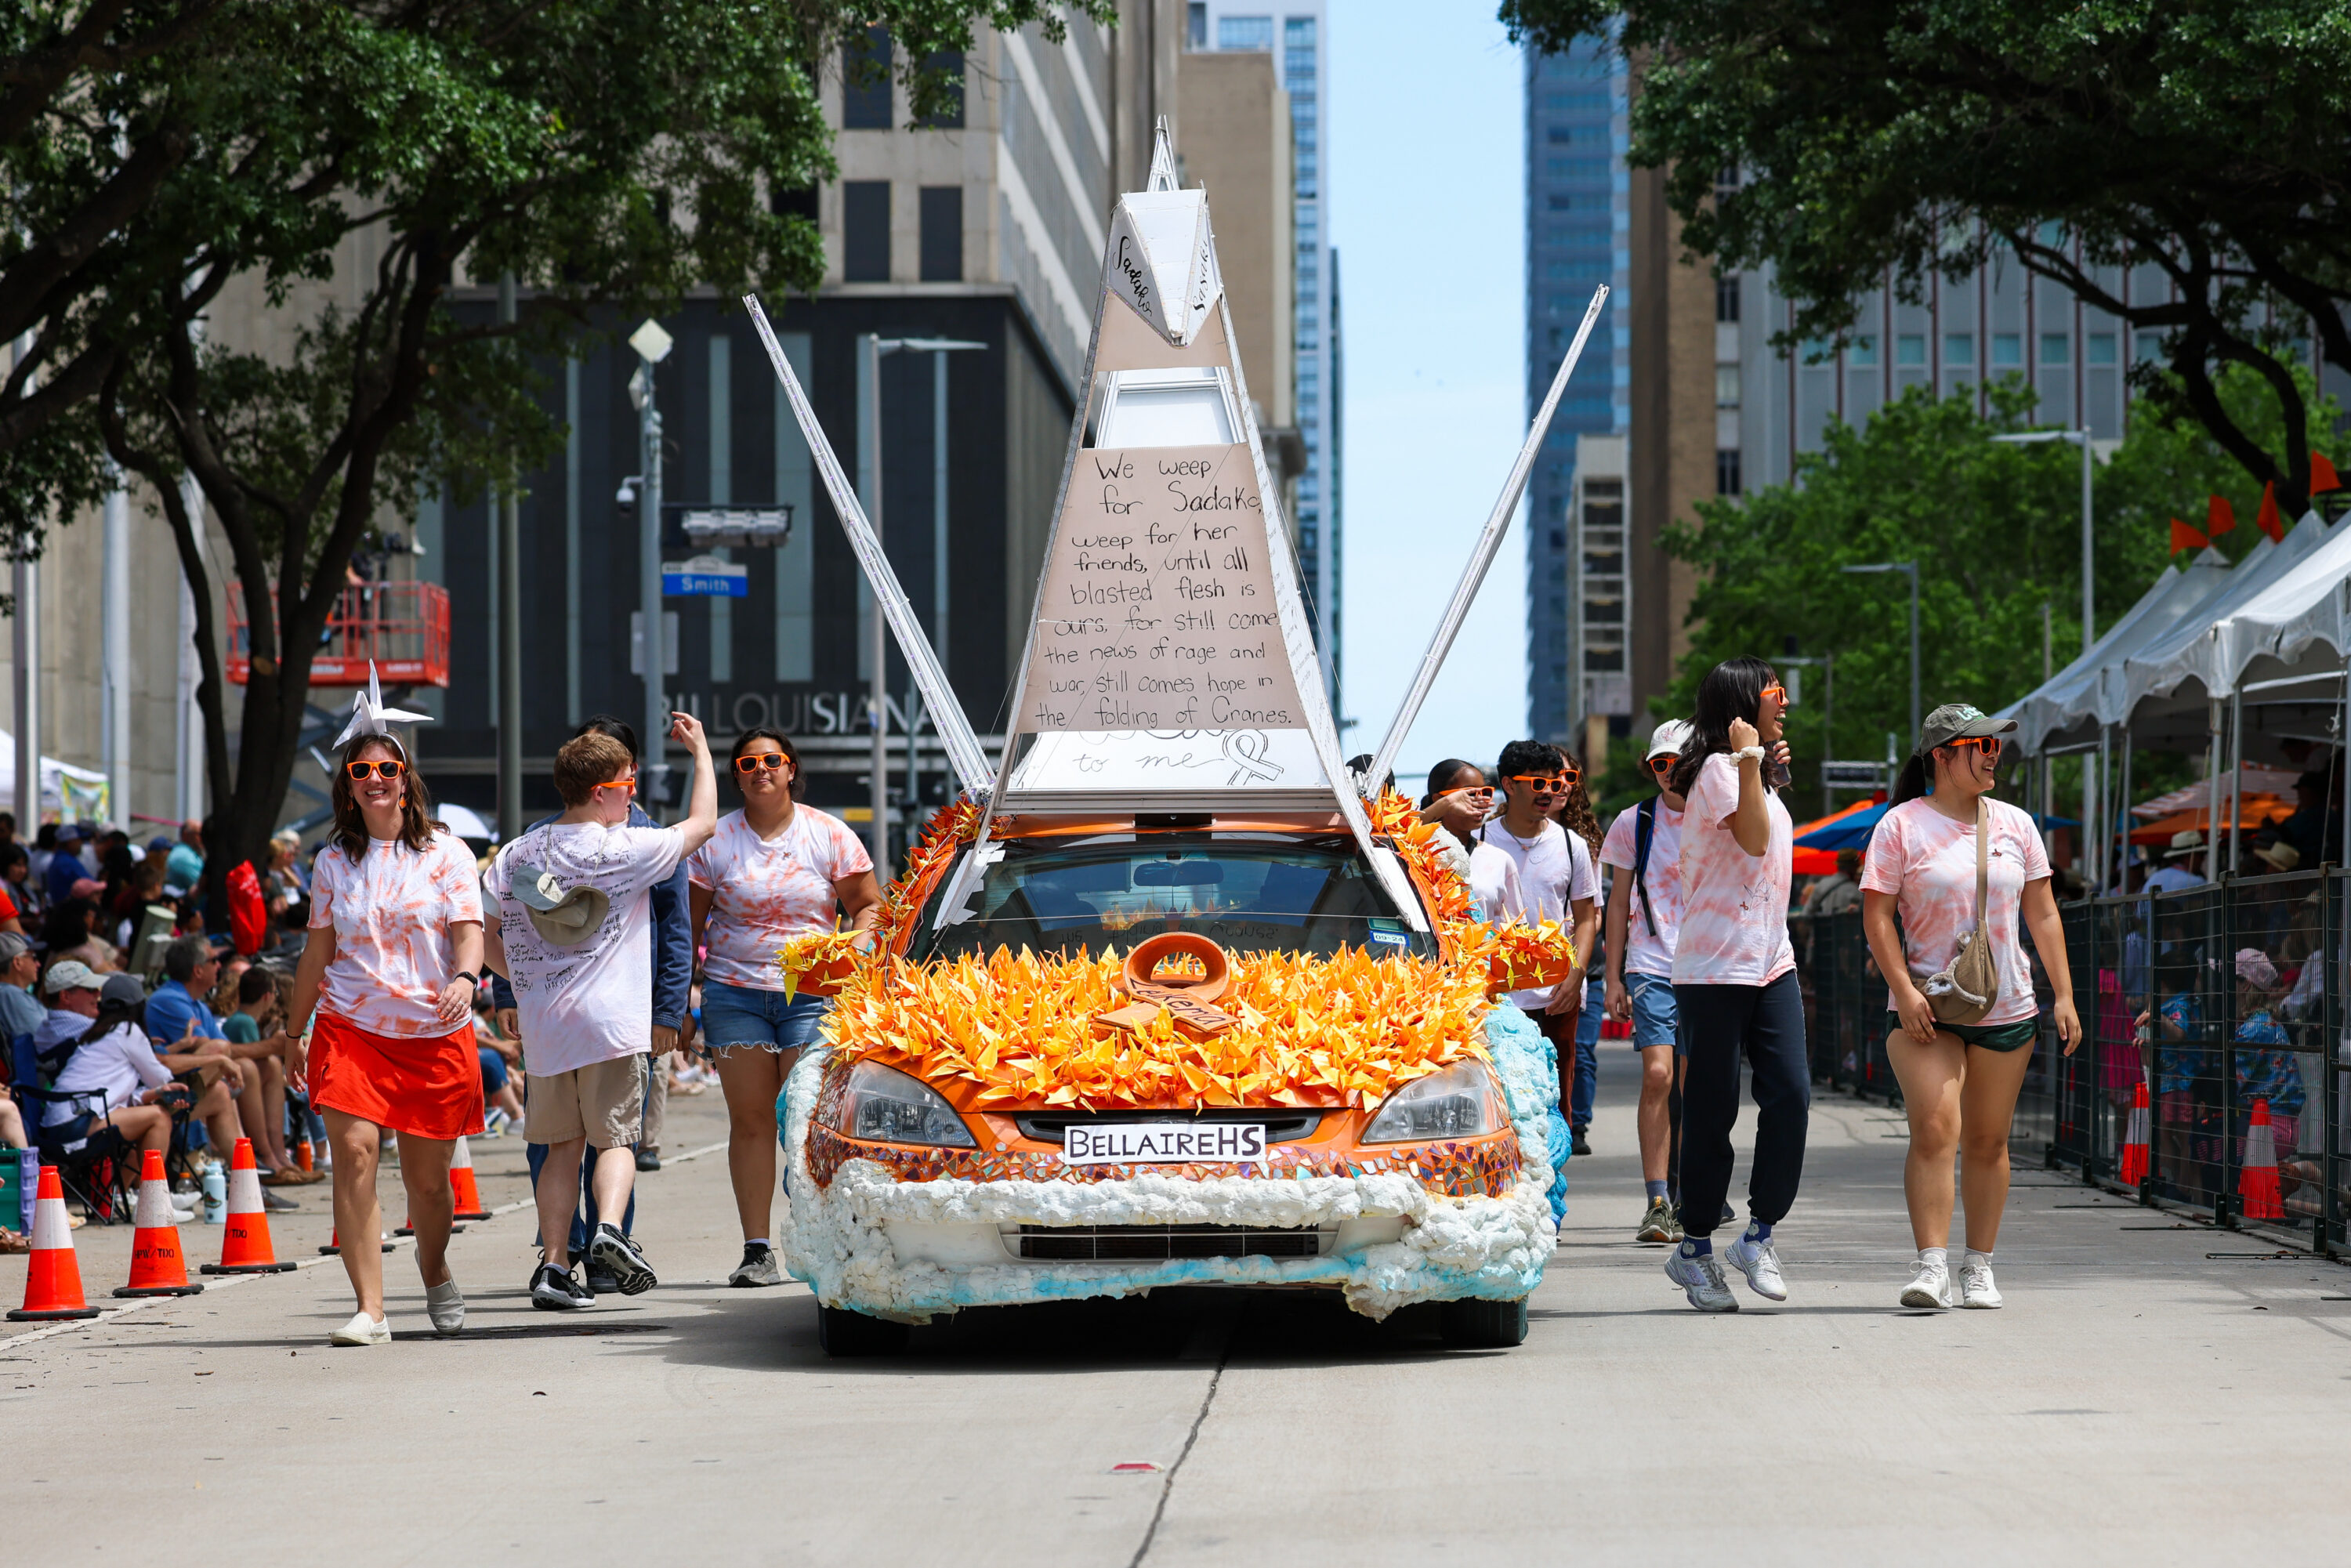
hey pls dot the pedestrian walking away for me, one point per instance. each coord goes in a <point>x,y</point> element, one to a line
<point>568,901</point>
<point>773,870</point>
<point>391,969</point>
<point>1645,910</point>
<point>1735,980</point>
<point>1556,882</point>
<point>1961,870</point>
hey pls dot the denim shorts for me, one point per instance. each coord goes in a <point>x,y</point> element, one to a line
<point>494,1071</point>
<point>736,1016</point>
<point>2001,1037</point>
<point>1656,1021</point>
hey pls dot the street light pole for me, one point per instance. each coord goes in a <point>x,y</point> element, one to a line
<point>509,623</point>
<point>1910,568</point>
<point>653,345</point>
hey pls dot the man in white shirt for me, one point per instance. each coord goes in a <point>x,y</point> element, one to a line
<point>568,904</point>
<point>1556,882</point>
<point>1644,908</point>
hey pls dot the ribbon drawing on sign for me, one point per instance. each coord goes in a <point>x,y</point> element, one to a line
<point>1246,749</point>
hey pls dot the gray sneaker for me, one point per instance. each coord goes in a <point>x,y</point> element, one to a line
<point>445,1305</point>
<point>757,1268</point>
<point>1659,1224</point>
<point>1700,1278</point>
<point>618,1255</point>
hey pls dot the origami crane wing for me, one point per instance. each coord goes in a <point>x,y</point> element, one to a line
<point>369,717</point>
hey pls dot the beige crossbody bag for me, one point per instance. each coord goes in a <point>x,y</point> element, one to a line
<point>1964,992</point>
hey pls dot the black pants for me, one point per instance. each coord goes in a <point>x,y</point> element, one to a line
<point>1765,1024</point>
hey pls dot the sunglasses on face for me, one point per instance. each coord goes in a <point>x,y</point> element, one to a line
<point>1547,784</point>
<point>1778,694</point>
<point>1987,744</point>
<point>625,786</point>
<point>362,771</point>
<point>771,761</point>
<point>1663,763</point>
<point>1477,794</point>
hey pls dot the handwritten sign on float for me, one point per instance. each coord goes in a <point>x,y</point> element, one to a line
<point>1157,610</point>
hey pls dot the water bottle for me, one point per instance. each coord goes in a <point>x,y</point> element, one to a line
<point>215,1194</point>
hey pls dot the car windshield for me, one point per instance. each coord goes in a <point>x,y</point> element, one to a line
<point>1252,893</point>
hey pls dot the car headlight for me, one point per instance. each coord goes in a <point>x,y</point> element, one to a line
<point>884,1105</point>
<point>1458,1102</point>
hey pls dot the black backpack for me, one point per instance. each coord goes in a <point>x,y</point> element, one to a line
<point>1644,830</point>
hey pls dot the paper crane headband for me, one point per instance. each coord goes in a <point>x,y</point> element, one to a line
<point>369,717</point>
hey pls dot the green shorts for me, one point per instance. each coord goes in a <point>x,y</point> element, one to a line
<point>2014,1036</point>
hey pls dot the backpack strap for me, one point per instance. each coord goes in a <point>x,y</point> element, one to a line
<point>1644,830</point>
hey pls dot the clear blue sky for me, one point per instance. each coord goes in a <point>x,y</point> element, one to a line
<point>1425,156</point>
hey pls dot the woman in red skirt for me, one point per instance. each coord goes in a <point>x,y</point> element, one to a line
<point>393,960</point>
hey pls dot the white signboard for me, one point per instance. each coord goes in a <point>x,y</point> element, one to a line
<point>1174,1142</point>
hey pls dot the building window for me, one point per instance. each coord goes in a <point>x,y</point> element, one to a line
<point>1910,349</point>
<point>1816,352</point>
<point>799,203</point>
<point>1862,354</point>
<point>1195,33</point>
<point>948,62</point>
<point>942,234</point>
<point>865,230</point>
<point>2056,349</point>
<point>1725,298</point>
<point>865,80</point>
<point>2007,348</point>
<point>1959,350</point>
<point>2099,349</point>
<point>1254,34</point>
<point>1560,202</point>
<point>2148,348</point>
<point>1726,471</point>
<point>1726,385</point>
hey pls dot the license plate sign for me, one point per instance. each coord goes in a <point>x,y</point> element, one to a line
<point>1164,1143</point>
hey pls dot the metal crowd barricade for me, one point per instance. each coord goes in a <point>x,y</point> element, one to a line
<point>2243,984</point>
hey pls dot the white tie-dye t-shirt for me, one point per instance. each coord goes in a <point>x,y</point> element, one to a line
<point>1734,925</point>
<point>1650,923</point>
<point>391,915</point>
<point>1928,863</point>
<point>764,891</point>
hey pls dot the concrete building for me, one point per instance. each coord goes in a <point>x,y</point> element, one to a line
<point>1577,234</point>
<point>1297,36</point>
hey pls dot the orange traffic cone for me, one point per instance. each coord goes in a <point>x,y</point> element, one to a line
<point>334,1246</point>
<point>244,1247</point>
<point>157,1266</point>
<point>2135,1141</point>
<point>53,1283</point>
<point>461,1186</point>
<point>2257,1179</point>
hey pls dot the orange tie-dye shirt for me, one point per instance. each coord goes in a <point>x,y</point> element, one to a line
<point>391,915</point>
<point>766,890</point>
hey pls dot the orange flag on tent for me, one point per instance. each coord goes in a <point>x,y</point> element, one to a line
<point>2323,476</point>
<point>2185,538</point>
<point>2267,518</point>
<point>2219,517</point>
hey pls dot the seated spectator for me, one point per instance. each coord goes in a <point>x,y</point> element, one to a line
<point>253,1024</point>
<point>20,1015</point>
<point>65,865</point>
<point>112,1058</point>
<point>66,932</point>
<point>71,990</point>
<point>184,867</point>
<point>188,1038</point>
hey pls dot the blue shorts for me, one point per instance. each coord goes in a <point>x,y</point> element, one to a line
<point>494,1071</point>
<point>1656,1020</point>
<point>736,1016</point>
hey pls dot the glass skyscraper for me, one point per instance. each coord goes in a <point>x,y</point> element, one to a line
<point>1297,34</point>
<point>1578,224</point>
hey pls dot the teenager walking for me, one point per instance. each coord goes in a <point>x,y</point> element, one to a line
<point>1735,980</point>
<point>773,870</point>
<point>1645,911</point>
<point>1959,1081</point>
<point>1460,801</point>
<point>392,963</point>
<point>572,936</point>
<point>1556,882</point>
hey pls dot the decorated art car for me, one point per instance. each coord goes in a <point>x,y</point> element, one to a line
<point>1140,1053</point>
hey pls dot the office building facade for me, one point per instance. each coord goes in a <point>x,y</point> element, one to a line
<point>1577,237</point>
<point>1297,34</point>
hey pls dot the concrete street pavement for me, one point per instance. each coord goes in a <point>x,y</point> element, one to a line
<point>2153,1391</point>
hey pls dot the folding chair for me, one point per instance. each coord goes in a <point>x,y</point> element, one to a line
<point>99,1181</point>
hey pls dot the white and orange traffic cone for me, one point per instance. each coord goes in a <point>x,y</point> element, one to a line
<point>244,1246</point>
<point>2257,1178</point>
<point>53,1283</point>
<point>463,1188</point>
<point>2135,1141</point>
<point>158,1267</point>
<point>334,1246</point>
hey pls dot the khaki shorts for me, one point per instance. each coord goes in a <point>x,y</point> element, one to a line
<point>605,1101</point>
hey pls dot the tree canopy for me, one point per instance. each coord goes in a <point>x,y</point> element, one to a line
<point>1903,137</point>
<point>603,152</point>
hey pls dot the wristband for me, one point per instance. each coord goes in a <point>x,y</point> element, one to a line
<point>467,974</point>
<point>1750,754</point>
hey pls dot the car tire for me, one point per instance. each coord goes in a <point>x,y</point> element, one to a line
<point>843,1333</point>
<point>1483,1326</point>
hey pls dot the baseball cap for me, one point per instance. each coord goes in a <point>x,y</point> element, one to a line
<point>1668,738</point>
<point>71,974</point>
<point>68,834</point>
<point>566,916</point>
<point>159,843</point>
<point>12,947</point>
<point>1958,721</point>
<point>124,990</point>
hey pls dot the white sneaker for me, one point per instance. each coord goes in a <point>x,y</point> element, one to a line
<point>1932,1288</point>
<point>1976,1288</point>
<point>362,1330</point>
<point>1752,1256</point>
<point>1700,1278</point>
<point>446,1307</point>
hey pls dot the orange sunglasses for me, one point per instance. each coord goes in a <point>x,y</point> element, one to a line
<point>770,760</point>
<point>387,768</point>
<point>1549,784</point>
